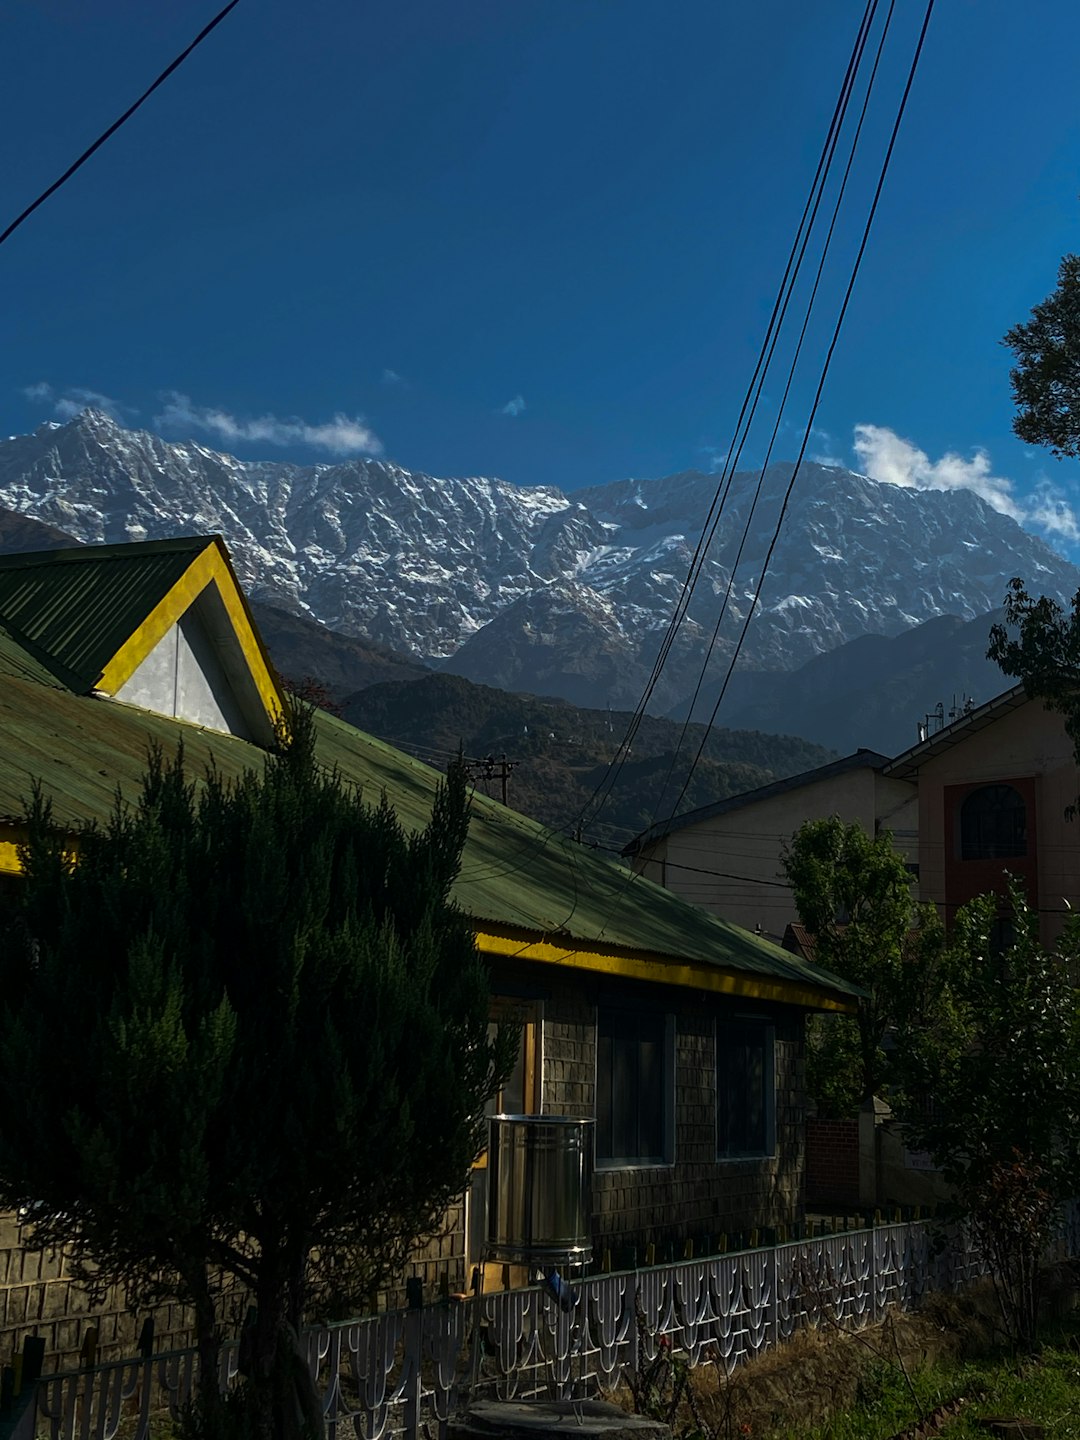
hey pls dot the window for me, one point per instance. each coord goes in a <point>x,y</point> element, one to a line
<point>993,824</point>
<point>745,1089</point>
<point>634,1080</point>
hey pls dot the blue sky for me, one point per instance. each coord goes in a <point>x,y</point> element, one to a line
<point>537,239</point>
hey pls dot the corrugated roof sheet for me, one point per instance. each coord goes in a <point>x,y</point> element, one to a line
<point>514,874</point>
<point>79,606</point>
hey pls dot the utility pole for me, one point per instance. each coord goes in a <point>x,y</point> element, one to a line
<point>491,769</point>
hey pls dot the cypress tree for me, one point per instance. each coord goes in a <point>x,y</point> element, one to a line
<point>244,1048</point>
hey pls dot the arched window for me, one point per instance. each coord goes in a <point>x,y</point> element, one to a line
<point>993,824</point>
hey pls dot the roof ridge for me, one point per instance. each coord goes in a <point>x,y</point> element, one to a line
<point>111,550</point>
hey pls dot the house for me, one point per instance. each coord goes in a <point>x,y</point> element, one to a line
<point>728,856</point>
<point>984,797</point>
<point>680,1032</point>
<point>995,789</point>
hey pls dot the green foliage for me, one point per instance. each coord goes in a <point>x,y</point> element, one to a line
<point>1046,378</point>
<point>992,1080</point>
<point>853,893</point>
<point>834,1065</point>
<point>1044,652</point>
<point>245,1034</point>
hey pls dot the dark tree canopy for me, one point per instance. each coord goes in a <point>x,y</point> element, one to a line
<point>991,1077</point>
<point>1046,377</point>
<point>1039,644</point>
<point>245,1035</point>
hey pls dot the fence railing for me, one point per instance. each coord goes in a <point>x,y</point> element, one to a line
<point>397,1375</point>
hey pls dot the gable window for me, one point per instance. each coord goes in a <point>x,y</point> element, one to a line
<point>634,1084</point>
<point>993,824</point>
<point>745,1089</point>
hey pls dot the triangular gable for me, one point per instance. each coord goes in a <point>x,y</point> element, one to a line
<point>162,624</point>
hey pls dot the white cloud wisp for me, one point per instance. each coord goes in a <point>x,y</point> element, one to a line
<point>514,407</point>
<point>343,435</point>
<point>71,401</point>
<point>886,456</point>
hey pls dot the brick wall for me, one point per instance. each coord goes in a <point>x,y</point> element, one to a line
<point>832,1162</point>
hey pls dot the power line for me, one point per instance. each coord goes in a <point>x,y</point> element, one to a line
<point>820,387</point>
<point>603,789</point>
<point>124,118</point>
<point>779,417</point>
<point>821,382</point>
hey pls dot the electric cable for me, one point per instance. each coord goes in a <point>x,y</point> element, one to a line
<point>749,403</point>
<point>779,415</point>
<point>796,253</point>
<point>828,150</point>
<point>817,395</point>
<point>821,382</point>
<point>124,118</point>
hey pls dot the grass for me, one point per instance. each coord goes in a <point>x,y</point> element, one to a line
<point>1045,1389</point>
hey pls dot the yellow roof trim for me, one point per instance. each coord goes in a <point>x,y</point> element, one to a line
<point>9,856</point>
<point>662,970</point>
<point>11,837</point>
<point>657,969</point>
<point>210,566</point>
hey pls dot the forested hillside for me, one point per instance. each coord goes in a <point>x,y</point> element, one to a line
<point>562,752</point>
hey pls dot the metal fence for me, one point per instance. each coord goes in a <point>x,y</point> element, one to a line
<point>400,1375</point>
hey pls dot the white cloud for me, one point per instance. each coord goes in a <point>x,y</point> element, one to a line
<point>391,377</point>
<point>343,435</point>
<point>717,458</point>
<point>884,455</point>
<point>514,407</point>
<point>1051,512</point>
<point>70,402</point>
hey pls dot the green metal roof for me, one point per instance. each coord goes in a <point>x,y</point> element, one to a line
<point>514,873</point>
<point>77,607</point>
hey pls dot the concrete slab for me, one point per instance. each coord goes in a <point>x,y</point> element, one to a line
<point>575,1420</point>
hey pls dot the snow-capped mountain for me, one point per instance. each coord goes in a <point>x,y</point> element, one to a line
<point>530,588</point>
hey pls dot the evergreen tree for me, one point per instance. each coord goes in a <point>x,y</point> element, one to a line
<point>853,894</point>
<point>244,1038</point>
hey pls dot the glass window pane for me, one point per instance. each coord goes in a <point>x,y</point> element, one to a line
<point>744,1085</point>
<point>632,1085</point>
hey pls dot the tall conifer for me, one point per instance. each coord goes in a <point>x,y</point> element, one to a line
<point>244,1042</point>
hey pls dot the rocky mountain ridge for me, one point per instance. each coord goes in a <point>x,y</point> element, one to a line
<point>530,588</point>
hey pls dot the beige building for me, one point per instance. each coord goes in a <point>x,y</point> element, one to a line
<point>994,791</point>
<point>727,857</point>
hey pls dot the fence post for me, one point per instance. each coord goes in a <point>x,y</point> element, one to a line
<point>414,1336</point>
<point>772,1269</point>
<point>873,1268</point>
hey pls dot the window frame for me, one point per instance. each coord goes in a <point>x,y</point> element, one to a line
<point>970,850</point>
<point>667,1110</point>
<point>766,1025</point>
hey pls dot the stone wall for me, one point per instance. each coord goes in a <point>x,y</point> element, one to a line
<point>38,1296</point>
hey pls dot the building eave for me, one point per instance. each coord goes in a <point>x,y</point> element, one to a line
<point>906,765</point>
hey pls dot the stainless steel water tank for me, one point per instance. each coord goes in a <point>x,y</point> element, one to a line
<point>539,1189</point>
